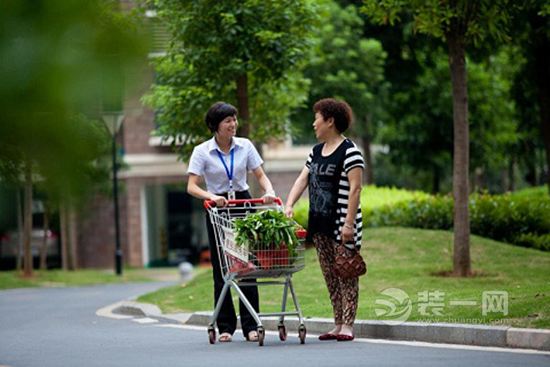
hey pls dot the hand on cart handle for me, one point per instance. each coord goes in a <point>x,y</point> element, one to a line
<point>213,203</point>
<point>269,197</point>
<point>218,201</point>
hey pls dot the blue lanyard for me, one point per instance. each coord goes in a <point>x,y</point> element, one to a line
<point>228,171</point>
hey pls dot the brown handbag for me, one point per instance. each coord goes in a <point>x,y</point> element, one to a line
<point>348,263</point>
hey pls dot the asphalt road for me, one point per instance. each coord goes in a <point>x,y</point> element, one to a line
<point>60,327</point>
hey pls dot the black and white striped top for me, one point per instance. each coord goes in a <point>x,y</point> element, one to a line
<point>329,190</point>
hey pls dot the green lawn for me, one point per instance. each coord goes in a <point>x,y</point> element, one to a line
<point>60,278</point>
<point>407,259</point>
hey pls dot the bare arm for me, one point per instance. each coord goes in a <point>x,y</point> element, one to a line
<point>296,191</point>
<point>354,177</point>
<point>265,184</point>
<point>194,189</point>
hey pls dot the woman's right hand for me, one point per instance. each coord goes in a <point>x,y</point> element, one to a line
<point>219,200</point>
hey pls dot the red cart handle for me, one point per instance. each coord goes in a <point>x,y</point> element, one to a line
<point>211,203</point>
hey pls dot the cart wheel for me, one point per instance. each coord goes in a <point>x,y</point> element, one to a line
<point>282,333</point>
<point>211,335</point>
<point>302,333</point>
<point>261,336</point>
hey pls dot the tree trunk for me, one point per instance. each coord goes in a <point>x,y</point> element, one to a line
<point>44,246</point>
<point>27,222</point>
<point>73,235</point>
<point>368,173</point>
<point>511,174</point>
<point>64,236</point>
<point>244,121</point>
<point>18,261</point>
<point>530,152</point>
<point>436,179</point>
<point>461,220</point>
<point>478,182</point>
<point>504,182</point>
<point>242,105</point>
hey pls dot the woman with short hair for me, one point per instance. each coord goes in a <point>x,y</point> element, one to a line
<point>223,162</point>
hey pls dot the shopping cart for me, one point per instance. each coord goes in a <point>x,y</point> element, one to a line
<point>244,266</point>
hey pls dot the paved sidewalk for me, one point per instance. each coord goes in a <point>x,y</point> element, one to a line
<point>481,335</point>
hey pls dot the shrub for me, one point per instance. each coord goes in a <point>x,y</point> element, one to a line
<point>539,192</point>
<point>372,198</point>
<point>421,212</point>
<point>539,242</point>
<point>505,217</point>
<point>521,218</point>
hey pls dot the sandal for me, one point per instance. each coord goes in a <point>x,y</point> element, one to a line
<point>252,336</point>
<point>344,337</point>
<point>225,338</point>
<point>328,336</point>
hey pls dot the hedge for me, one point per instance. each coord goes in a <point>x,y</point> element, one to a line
<point>521,219</point>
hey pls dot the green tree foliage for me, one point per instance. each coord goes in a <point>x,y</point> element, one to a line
<point>406,60</point>
<point>531,35</point>
<point>248,53</point>
<point>459,23</point>
<point>493,117</point>
<point>346,65</point>
<point>420,135</point>
<point>60,63</point>
<point>58,60</point>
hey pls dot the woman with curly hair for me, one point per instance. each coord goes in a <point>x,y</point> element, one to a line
<point>332,174</point>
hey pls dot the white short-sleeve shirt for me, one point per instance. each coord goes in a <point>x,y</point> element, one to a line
<point>206,162</point>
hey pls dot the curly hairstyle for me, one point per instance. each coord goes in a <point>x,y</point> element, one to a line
<point>217,113</point>
<point>339,110</point>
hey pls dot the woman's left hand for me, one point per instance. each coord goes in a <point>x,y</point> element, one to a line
<point>347,234</point>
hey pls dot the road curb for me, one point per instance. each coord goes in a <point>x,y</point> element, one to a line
<point>132,308</point>
<point>466,334</point>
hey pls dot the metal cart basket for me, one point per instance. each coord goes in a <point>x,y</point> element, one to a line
<point>250,265</point>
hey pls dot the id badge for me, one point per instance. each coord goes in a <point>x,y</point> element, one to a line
<point>231,192</point>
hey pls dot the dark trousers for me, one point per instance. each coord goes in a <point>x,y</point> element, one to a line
<point>227,320</point>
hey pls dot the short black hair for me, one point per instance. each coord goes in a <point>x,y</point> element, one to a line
<point>217,113</point>
<point>339,110</point>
